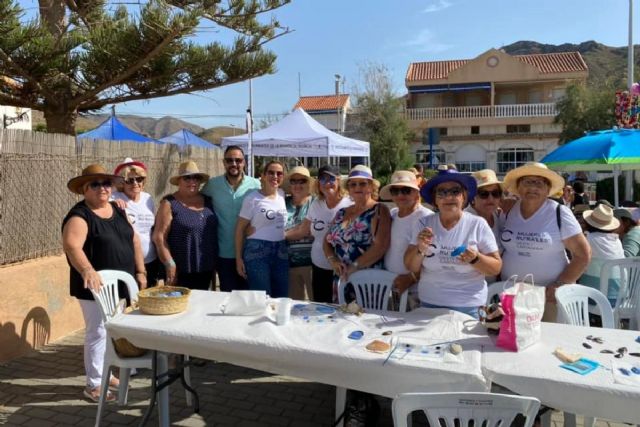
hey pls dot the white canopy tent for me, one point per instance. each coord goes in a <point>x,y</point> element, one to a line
<point>299,135</point>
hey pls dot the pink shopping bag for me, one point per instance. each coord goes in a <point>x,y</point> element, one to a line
<point>523,306</point>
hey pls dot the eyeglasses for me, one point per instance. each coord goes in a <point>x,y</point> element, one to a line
<point>275,173</point>
<point>356,184</point>
<point>445,192</point>
<point>533,182</point>
<point>297,181</point>
<point>496,194</point>
<point>326,178</point>
<point>133,180</point>
<point>95,185</point>
<point>192,177</point>
<point>232,160</point>
<point>400,190</point>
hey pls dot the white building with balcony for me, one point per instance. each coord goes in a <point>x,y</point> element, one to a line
<point>495,111</point>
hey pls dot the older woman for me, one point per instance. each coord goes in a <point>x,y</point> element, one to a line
<point>141,211</point>
<point>448,279</point>
<point>298,183</point>
<point>185,232</point>
<point>96,235</point>
<point>262,257</point>
<point>331,197</point>
<point>358,237</point>
<point>536,232</point>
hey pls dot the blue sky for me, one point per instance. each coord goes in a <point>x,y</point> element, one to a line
<point>335,36</point>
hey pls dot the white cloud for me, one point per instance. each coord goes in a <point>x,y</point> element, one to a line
<point>426,42</point>
<point>437,6</point>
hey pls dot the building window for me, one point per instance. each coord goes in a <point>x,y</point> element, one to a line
<point>423,156</point>
<point>510,158</point>
<point>518,128</point>
<point>475,130</point>
<point>470,166</point>
<point>442,131</point>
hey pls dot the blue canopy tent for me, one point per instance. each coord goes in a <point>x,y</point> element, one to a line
<point>113,129</point>
<point>185,137</point>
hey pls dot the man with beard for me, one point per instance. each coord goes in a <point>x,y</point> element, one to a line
<point>228,192</point>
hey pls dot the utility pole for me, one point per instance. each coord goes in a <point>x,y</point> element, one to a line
<point>629,175</point>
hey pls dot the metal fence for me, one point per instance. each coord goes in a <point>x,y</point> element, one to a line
<point>35,168</point>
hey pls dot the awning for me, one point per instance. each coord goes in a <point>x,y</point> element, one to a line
<point>458,87</point>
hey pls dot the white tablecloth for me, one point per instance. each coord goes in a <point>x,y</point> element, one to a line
<point>319,352</point>
<point>536,372</point>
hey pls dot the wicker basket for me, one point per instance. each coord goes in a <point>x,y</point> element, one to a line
<point>123,347</point>
<point>151,301</point>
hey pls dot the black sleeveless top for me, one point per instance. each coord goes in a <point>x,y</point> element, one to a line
<point>109,245</point>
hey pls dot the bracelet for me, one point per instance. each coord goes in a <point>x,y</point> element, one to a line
<point>476,259</point>
<point>170,263</point>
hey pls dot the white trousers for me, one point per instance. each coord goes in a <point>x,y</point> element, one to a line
<point>95,341</point>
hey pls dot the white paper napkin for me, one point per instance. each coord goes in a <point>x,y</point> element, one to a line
<point>245,303</point>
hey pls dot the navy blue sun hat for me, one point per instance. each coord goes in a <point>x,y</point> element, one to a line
<point>449,175</point>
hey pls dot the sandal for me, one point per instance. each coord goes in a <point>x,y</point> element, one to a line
<point>114,383</point>
<point>93,394</point>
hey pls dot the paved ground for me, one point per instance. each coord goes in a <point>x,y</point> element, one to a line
<point>45,389</point>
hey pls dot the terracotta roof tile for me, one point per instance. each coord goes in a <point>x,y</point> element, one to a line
<point>563,62</point>
<point>323,102</point>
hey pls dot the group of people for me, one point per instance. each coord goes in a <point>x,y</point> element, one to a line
<point>291,234</point>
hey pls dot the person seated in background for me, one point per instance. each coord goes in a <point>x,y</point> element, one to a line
<point>579,196</point>
<point>578,210</point>
<point>629,232</point>
<point>605,245</point>
<point>404,191</point>
<point>568,196</point>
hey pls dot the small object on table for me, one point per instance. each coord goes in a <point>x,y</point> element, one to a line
<point>634,354</point>
<point>635,370</point>
<point>585,345</point>
<point>638,338</point>
<point>582,366</point>
<point>606,352</point>
<point>355,335</point>
<point>385,333</point>
<point>459,250</point>
<point>352,308</point>
<point>566,357</point>
<point>283,314</point>
<point>455,348</point>
<point>377,346</point>
<point>623,371</point>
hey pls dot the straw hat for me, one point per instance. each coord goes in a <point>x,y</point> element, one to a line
<point>301,172</point>
<point>90,173</point>
<point>399,179</point>
<point>486,177</point>
<point>448,175</point>
<point>533,169</point>
<point>601,218</point>
<point>188,168</point>
<point>362,172</point>
<point>129,162</point>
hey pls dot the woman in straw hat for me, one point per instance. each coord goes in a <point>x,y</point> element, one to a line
<point>96,235</point>
<point>486,203</point>
<point>297,185</point>
<point>358,237</point>
<point>602,226</point>
<point>536,231</point>
<point>186,230</point>
<point>453,249</point>
<point>141,211</point>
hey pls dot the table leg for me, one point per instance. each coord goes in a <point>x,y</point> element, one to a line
<point>187,386</point>
<point>154,379</point>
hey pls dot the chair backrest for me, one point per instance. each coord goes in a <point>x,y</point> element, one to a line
<point>629,292</point>
<point>495,289</point>
<point>372,288</point>
<point>573,305</point>
<point>458,409</point>
<point>108,297</point>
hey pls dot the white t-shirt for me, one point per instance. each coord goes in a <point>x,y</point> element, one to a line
<point>401,232</point>
<point>141,216</point>
<point>444,279</point>
<point>268,216</point>
<point>320,216</point>
<point>534,246</point>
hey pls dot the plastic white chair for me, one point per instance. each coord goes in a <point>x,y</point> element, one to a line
<point>496,288</point>
<point>460,408</point>
<point>373,289</point>
<point>107,299</point>
<point>628,301</point>
<point>573,305</point>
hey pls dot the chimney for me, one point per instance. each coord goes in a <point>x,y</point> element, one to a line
<point>337,76</point>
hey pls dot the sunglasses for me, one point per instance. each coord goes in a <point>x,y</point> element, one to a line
<point>131,181</point>
<point>496,194</point>
<point>232,160</point>
<point>95,185</point>
<point>275,173</point>
<point>445,192</point>
<point>192,177</point>
<point>297,181</point>
<point>400,190</point>
<point>326,178</point>
<point>356,184</point>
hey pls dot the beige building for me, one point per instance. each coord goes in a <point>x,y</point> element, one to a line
<point>495,111</point>
<point>329,110</point>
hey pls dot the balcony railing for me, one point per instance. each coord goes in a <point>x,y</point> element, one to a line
<point>482,111</point>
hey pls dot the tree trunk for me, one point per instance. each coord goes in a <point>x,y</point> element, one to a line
<point>59,121</point>
<point>52,14</point>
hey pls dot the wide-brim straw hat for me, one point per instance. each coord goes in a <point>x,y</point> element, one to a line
<point>601,218</point>
<point>486,177</point>
<point>449,175</point>
<point>91,173</point>
<point>533,169</point>
<point>300,171</point>
<point>186,169</point>
<point>399,179</point>
<point>361,172</point>
<point>129,162</point>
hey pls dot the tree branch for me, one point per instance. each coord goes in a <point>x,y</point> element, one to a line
<point>18,69</point>
<point>18,102</point>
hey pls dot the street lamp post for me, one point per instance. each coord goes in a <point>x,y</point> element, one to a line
<point>234,129</point>
<point>629,175</point>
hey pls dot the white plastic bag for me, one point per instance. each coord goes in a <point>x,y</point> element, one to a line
<point>523,306</point>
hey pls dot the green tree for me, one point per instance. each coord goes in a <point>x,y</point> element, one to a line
<point>80,55</point>
<point>585,109</point>
<point>380,121</point>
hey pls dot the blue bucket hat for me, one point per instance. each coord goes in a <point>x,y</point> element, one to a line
<point>449,175</point>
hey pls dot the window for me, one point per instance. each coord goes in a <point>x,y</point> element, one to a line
<point>475,130</point>
<point>423,156</point>
<point>470,166</point>
<point>510,158</point>
<point>442,131</point>
<point>518,128</point>
<point>558,93</point>
<point>508,98</point>
<point>535,96</point>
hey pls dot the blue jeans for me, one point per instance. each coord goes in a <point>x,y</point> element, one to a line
<point>267,266</point>
<point>471,311</point>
